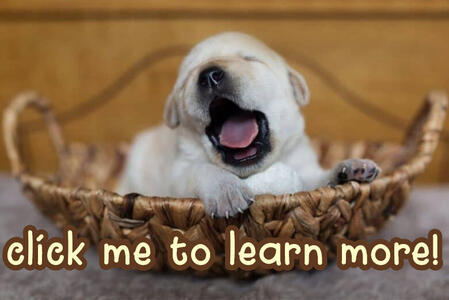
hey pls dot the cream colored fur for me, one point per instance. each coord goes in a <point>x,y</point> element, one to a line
<point>178,160</point>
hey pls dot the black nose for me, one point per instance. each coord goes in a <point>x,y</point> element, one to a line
<point>211,77</point>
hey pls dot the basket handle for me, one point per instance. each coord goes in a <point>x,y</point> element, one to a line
<point>422,137</point>
<point>10,128</point>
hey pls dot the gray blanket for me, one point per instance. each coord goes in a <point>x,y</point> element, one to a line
<point>428,208</point>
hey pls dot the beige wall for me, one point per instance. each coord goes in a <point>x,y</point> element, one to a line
<point>368,64</point>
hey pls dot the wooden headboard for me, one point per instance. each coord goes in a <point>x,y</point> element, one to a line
<point>107,66</point>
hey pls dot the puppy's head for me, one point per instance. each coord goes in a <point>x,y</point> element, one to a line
<point>238,100</point>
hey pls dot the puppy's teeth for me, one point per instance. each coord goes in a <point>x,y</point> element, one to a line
<point>227,215</point>
<point>240,210</point>
<point>212,215</point>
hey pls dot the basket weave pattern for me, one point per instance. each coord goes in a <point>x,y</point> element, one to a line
<point>77,194</point>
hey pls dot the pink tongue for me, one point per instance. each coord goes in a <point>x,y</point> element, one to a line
<point>239,131</point>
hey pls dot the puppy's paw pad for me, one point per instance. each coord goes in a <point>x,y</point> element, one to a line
<point>361,170</point>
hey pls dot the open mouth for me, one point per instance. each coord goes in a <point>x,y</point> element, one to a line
<point>241,136</point>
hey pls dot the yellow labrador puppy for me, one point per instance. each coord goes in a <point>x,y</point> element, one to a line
<point>233,129</point>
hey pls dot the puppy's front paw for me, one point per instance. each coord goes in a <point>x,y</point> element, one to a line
<point>360,170</point>
<point>226,197</point>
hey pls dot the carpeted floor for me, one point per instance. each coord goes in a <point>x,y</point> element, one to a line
<point>428,208</point>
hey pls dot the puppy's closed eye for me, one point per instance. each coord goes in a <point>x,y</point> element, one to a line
<point>251,58</point>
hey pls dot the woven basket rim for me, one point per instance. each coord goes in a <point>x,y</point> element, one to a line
<point>422,138</point>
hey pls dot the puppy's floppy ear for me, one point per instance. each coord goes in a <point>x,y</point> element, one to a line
<point>171,114</point>
<point>299,87</point>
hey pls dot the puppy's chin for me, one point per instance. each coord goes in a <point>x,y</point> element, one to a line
<point>240,137</point>
<point>242,171</point>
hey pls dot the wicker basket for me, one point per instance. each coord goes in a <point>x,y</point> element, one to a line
<point>77,194</point>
